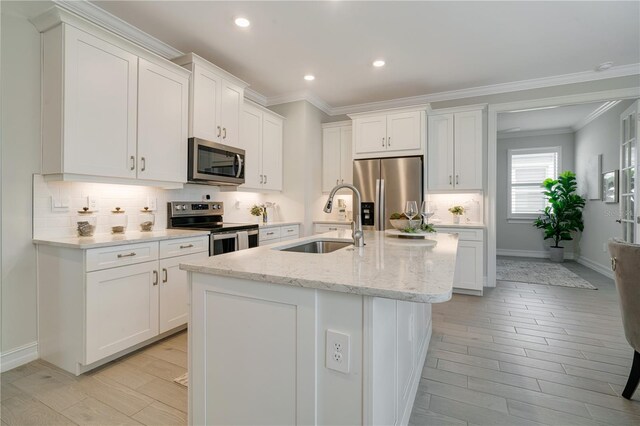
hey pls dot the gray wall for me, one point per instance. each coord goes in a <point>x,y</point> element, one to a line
<point>601,136</point>
<point>522,235</point>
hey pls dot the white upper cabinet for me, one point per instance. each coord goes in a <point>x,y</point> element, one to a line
<point>389,133</point>
<point>216,102</point>
<point>111,110</point>
<point>162,123</point>
<point>337,158</point>
<point>455,151</point>
<point>261,136</point>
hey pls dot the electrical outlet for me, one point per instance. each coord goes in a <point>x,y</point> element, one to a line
<point>92,203</point>
<point>337,351</point>
<point>60,204</point>
<point>152,203</point>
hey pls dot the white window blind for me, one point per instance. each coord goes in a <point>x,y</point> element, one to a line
<point>527,169</point>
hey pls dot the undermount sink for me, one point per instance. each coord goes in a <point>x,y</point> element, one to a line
<point>321,247</point>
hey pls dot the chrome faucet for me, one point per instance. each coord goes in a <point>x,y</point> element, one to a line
<point>356,225</point>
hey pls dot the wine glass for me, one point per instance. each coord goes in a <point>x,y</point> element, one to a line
<point>425,212</point>
<point>411,210</point>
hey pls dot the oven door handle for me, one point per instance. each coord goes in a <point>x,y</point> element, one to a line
<point>239,158</point>
<point>228,236</point>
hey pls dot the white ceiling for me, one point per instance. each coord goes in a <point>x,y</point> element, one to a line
<point>429,47</point>
<point>566,117</point>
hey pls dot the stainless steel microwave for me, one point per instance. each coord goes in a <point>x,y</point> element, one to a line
<point>215,164</point>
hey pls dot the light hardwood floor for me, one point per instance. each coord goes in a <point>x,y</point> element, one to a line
<point>522,354</point>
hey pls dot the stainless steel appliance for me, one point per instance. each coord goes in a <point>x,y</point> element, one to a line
<point>386,185</point>
<point>215,164</point>
<point>225,237</point>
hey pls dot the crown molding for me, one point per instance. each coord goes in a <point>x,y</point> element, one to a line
<point>302,95</point>
<point>256,97</point>
<point>531,133</point>
<point>595,114</point>
<point>98,16</point>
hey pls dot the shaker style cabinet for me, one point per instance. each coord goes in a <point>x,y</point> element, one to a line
<point>396,132</point>
<point>469,273</point>
<point>455,151</point>
<point>216,99</point>
<point>337,158</point>
<point>110,109</point>
<point>261,137</point>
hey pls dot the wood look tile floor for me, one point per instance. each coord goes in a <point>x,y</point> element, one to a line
<point>523,354</point>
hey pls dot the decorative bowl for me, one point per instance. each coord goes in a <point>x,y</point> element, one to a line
<point>401,224</point>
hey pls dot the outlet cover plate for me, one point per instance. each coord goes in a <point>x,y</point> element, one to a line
<point>338,351</point>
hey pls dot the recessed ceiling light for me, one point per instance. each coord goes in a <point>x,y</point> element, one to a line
<point>379,63</point>
<point>604,66</point>
<point>309,77</point>
<point>242,22</point>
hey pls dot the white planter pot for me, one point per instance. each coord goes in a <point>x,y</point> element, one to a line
<point>556,254</point>
<point>456,218</point>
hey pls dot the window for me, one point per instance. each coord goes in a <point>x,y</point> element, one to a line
<point>526,170</point>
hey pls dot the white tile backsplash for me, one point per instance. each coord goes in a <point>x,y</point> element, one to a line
<point>132,199</point>
<point>472,203</point>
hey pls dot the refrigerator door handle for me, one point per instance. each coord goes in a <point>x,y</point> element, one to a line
<point>376,210</point>
<point>381,217</point>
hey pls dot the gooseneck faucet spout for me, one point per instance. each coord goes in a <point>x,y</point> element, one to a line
<point>356,225</point>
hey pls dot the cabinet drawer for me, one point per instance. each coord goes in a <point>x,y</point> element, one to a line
<point>464,234</point>
<point>171,248</point>
<point>267,234</point>
<point>111,257</point>
<point>290,231</point>
<point>321,228</point>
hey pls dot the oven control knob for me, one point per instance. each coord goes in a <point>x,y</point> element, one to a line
<point>217,206</point>
<point>178,207</point>
<point>184,207</point>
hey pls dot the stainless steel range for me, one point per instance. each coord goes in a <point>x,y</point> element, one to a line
<point>225,237</point>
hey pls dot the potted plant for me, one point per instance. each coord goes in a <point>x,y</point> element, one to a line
<point>563,215</point>
<point>456,211</point>
<point>259,210</point>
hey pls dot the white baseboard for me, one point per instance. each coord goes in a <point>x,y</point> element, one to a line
<point>604,270</point>
<point>18,356</point>
<point>538,254</point>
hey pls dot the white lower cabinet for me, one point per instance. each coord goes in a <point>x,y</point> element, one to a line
<point>469,274</point>
<point>276,234</point>
<point>97,304</point>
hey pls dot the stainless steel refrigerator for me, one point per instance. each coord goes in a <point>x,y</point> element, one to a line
<point>386,185</point>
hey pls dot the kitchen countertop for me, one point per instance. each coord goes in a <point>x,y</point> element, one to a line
<point>108,240</point>
<point>386,267</point>
<point>333,222</point>
<point>275,224</point>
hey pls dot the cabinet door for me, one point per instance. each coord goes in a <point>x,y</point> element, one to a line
<point>469,266</point>
<point>440,152</point>
<point>346,155</point>
<point>206,105</point>
<point>331,152</point>
<point>100,97</point>
<point>371,134</point>
<point>174,291</point>
<point>272,152</point>
<point>231,101</point>
<point>163,97</point>
<point>251,142</point>
<point>468,150</point>
<point>406,351</point>
<point>403,131</point>
<point>121,309</point>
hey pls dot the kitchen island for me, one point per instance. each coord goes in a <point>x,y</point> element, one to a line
<point>285,337</point>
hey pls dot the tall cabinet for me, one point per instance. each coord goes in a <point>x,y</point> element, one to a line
<point>261,137</point>
<point>455,154</point>
<point>216,100</point>
<point>337,157</point>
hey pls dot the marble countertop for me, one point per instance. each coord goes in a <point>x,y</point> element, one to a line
<point>333,222</point>
<point>276,224</point>
<point>386,267</point>
<point>107,240</point>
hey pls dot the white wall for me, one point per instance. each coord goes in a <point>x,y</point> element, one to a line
<point>522,236</point>
<point>601,136</point>
<point>20,80</point>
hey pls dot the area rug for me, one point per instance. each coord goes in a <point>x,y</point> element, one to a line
<point>545,273</point>
<point>183,380</point>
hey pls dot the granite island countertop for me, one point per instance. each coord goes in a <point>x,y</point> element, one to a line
<point>129,237</point>
<point>410,270</point>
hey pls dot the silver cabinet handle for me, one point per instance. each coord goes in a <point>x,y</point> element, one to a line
<point>133,162</point>
<point>382,141</point>
<point>341,180</point>
<point>219,131</point>
<point>265,178</point>
<point>457,179</point>
<point>133,253</point>
<point>166,275</point>
<point>270,233</point>
<point>337,181</point>
<point>389,141</point>
<point>144,164</point>
<point>261,179</point>
<point>186,246</point>
<point>155,277</point>
<point>333,229</point>
<point>450,180</point>
<point>224,133</point>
